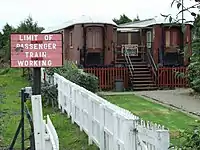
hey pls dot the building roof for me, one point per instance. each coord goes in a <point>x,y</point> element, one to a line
<point>133,26</point>
<point>80,20</point>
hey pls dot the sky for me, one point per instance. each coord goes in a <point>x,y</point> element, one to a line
<point>50,13</point>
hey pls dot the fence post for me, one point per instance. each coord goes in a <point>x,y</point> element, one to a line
<point>38,123</point>
<point>80,105</point>
<point>59,91</point>
<point>163,140</point>
<point>73,104</point>
<point>90,120</point>
<point>134,134</point>
<point>69,102</point>
<point>102,144</point>
<point>62,94</point>
<point>129,135</point>
<point>115,131</point>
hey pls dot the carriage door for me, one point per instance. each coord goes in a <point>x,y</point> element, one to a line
<point>94,45</point>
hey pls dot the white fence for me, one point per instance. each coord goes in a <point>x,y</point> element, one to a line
<point>107,125</point>
<point>45,134</point>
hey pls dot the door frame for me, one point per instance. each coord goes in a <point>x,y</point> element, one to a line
<point>85,42</point>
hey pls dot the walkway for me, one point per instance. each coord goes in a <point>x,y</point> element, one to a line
<point>180,98</point>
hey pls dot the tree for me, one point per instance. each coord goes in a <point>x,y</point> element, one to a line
<point>136,19</point>
<point>194,66</point>
<point>196,29</point>
<point>180,6</point>
<point>26,26</point>
<point>1,40</point>
<point>4,47</point>
<point>29,26</point>
<point>189,139</point>
<point>123,19</point>
<point>7,30</point>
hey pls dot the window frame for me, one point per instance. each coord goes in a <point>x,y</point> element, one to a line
<point>71,39</point>
<point>149,39</point>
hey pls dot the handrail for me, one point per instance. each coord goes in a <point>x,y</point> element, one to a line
<point>153,64</point>
<point>128,60</point>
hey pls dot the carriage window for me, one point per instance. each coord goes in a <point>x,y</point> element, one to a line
<point>167,38</point>
<point>70,40</point>
<point>174,38</point>
<point>149,39</point>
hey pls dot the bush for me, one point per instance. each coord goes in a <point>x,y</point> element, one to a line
<point>50,95</point>
<point>72,73</point>
<point>194,67</point>
<point>88,81</point>
<point>190,138</point>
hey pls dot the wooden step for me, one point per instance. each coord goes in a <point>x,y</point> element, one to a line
<point>141,72</point>
<point>136,60</point>
<point>144,85</point>
<point>144,88</point>
<point>141,78</point>
<point>142,81</point>
<point>141,68</point>
<point>140,65</point>
<point>142,75</point>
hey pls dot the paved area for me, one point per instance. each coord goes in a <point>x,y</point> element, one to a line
<point>180,98</point>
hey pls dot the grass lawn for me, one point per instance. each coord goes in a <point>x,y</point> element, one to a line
<point>172,119</point>
<point>70,137</point>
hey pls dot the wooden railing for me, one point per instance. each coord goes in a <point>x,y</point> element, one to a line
<point>107,76</point>
<point>167,77</point>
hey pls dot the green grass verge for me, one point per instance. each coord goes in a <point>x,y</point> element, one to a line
<point>11,82</point>
<point>170,118</point>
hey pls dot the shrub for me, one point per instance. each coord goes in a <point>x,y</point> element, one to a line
<point>88,81</point>
<point>50,94</point>
<point>72,73</point>
<point>194,67</point>
<point>189,138</point>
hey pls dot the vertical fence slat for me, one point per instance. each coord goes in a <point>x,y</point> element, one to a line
<point>107,76</point>
<point>167,77</point>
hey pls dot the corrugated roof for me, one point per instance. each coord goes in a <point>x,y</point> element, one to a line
<point>80,20</point>
<point>132,26</point>
<point>145,23</point>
